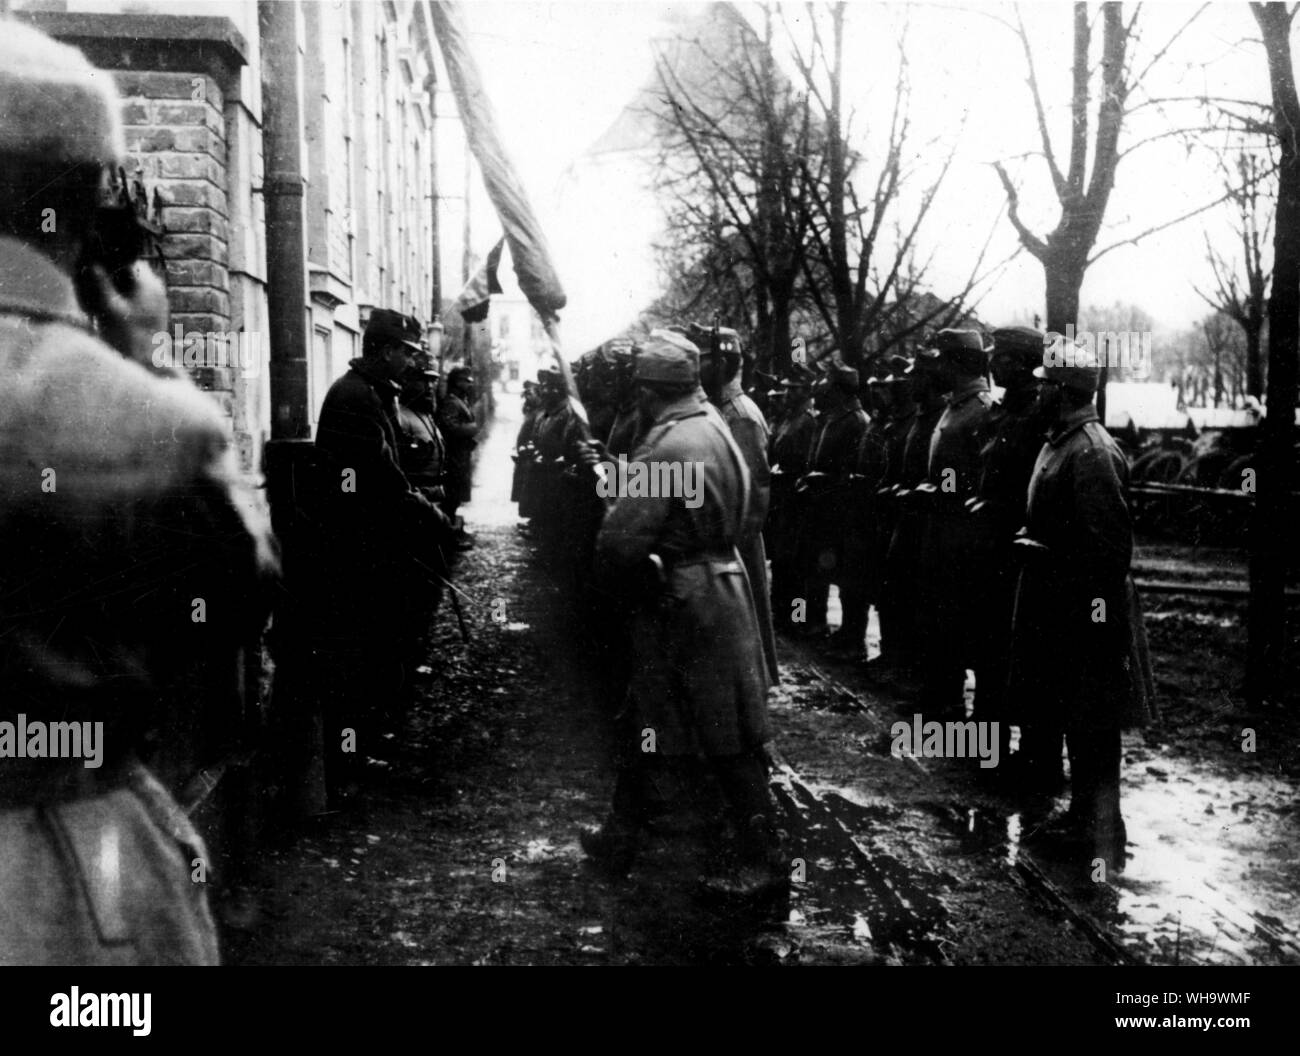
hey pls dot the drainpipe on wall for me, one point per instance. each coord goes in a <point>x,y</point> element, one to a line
<point>286,240</point>
<point>297,726</point>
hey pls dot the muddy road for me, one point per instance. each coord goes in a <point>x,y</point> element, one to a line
<point>462,847</point>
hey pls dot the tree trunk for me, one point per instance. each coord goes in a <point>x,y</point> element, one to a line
<point>1269,535</point>
<point>1254,361</point>
<point>1064,280</point>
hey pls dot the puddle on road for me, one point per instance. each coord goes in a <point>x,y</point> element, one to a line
<point>1213,872</point>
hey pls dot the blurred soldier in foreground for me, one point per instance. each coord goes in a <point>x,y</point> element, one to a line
<point>1079,652</point>
<point>460,432</point>
<point>824,490</point>
<point>377,521</point>
<point>132,552</point>
<point>949,609</point>
<point>698,685</point>
<point>791,454</point>
<point>720,358</point>
<point>1012,437</point>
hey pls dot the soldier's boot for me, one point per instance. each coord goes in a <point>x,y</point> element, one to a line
<point>761,869</point>
<point>611,847</point>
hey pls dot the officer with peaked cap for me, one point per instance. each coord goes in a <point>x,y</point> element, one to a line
<point>824,490</point>
<point>125,522</point>
<point>1011,437</point>
<point>376,521</point>
<point>720,359</point>
<point>698,685</point>
<point>947,605</point>
<point>1079,654</point>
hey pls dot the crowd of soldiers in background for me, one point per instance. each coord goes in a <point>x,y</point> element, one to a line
<point>990,535</point>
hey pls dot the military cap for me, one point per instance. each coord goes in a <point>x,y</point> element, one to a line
<point>668,356</point>
<point>394,326</point>
<point>425,364</point>
<point>950,340</point>
<point>57,106</point>
<point>1074,364</point>
<point>1022,343</point>
<point>460,374</point>
<point>845,378</point>
<point>548,376</point>
<point>800,377</point>
<point>894,365</point>
<point>722,341</point>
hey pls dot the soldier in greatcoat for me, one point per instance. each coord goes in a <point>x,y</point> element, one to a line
<point>1012,436</point>
<point>699,680</point>
<point>1080,660</point>
<point>720,360</point>
<point>910,513</point>
<point>790,456</point>
<point>947,603</point>
<point>823,491</point>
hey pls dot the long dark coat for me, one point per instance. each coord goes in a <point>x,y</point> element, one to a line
<point>699,679</point>
<point>948,605</point>
<point>460,431</point>
<point>1079,647</point>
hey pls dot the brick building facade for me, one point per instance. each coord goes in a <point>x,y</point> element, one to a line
<point>198,103</point>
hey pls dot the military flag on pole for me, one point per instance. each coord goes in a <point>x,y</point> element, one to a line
<point>476,297</point>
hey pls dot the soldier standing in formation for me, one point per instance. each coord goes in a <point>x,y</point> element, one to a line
<point>1012,436</point>
<point>791,456</point>
<point>720,377</point>
<point>946,596</point>
<point>824,490</point>
<point>134,557</point>
<point>1079,652</point>
<point>460,430</point>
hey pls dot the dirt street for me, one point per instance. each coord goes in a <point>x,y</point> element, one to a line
<point>463,847</point>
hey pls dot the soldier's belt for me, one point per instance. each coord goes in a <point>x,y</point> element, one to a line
<point>715,557</point>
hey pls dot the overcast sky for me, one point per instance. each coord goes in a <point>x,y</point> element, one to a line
<point>560,73</point>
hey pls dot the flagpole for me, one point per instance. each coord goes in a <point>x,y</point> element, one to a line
<point>551,325</point>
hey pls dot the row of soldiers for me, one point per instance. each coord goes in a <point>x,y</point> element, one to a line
<point>990,535</point>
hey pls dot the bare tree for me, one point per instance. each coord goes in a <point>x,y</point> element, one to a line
<point>1270,537</point>
<point>1068,250</point>
<point>1241,285</point>
<point>863,246</point>
<point>731,128</point>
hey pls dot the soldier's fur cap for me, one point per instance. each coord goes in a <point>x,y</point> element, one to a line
<point>54,105</point>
